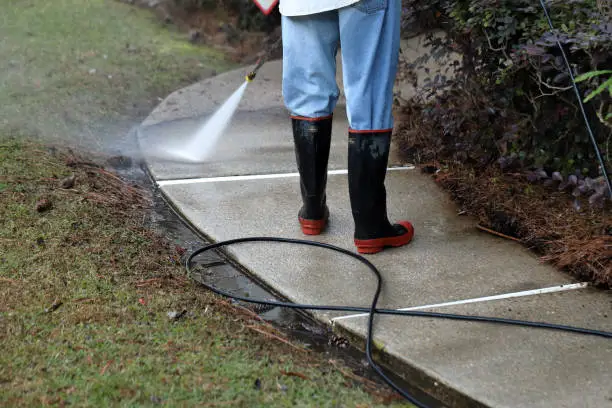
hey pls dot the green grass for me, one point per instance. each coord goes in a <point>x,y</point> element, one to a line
<point>102,346</point>
<point>48,50</point>
<point>110,342</point>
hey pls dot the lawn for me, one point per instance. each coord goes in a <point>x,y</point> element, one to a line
<point>86,288</point>
<point>82,71</point>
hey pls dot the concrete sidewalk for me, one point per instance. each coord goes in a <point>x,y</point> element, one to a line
<point>251,189</point>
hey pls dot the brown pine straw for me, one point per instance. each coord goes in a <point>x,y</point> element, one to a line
<point>543,220</point>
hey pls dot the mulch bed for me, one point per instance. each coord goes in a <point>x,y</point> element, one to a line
<point>544,220</point>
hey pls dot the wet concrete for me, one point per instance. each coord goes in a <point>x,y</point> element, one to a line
<point>216,269</point>
<point>464,364</point>
<point>508,366</point>
<point>447,259</point>
<point>255,142</point>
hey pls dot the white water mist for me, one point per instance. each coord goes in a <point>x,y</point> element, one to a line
<point>200,146</point>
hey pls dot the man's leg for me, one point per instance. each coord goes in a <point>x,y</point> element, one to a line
<point>370,34</point>
<point>310,91</point>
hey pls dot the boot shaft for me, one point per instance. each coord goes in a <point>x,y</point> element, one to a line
<point>368,157</point>
<point>312,140</point>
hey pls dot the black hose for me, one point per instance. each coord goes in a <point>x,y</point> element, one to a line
<point>372,310</point>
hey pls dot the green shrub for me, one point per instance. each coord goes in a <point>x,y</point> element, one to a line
<point>511,99</point>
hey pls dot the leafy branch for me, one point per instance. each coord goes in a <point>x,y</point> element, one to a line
<point>601,88</point>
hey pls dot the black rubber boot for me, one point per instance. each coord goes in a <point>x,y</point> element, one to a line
<point>368,156</point>
<point>312,139</point>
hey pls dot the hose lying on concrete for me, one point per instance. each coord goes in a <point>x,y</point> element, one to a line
<point>372,310</point>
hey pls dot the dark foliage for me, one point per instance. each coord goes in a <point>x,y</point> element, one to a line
<point>250,17</point>
<point>510,101</point>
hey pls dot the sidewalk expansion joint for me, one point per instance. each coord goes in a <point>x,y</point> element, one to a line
<point>551,289</point>
<point>249,177</point>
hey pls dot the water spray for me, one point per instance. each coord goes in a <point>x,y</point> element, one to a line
<point>200,146</point>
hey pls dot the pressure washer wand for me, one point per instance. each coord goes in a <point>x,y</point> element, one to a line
<point>263,59</point>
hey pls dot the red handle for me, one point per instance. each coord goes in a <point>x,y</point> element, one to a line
<point>266,6</point>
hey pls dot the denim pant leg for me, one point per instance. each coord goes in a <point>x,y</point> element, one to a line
<point>310,45</point>
<point>370,37</point>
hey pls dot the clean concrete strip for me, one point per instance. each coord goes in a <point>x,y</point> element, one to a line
<point>163,183</point>
<point>552,289</point>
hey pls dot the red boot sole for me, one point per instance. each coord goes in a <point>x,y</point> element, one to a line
<point>312,227</point>
<point>373,246</point>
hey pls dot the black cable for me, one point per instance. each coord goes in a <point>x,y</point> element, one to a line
<point>584,115</point>
<point>372,310</point>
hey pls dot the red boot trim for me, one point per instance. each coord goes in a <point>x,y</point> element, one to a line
<point>312,119</point>
<point>372,246</point>
<point>312,227</point>
<point>371,131</point>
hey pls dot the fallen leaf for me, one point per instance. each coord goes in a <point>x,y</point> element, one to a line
<point>68,182</point>
<point>84,300</point>
<point>54,306</point>
<point>177,315</point>
<point>103,370</point>
<point>294,374</point>
<point>43,204</point>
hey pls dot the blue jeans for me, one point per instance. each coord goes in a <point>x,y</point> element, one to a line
<point>369,34</point>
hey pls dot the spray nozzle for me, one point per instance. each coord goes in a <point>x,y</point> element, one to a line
<point>251,75</point>
<point>262,59</point>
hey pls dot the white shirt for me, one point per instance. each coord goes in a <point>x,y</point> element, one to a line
<point>304,7</point>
